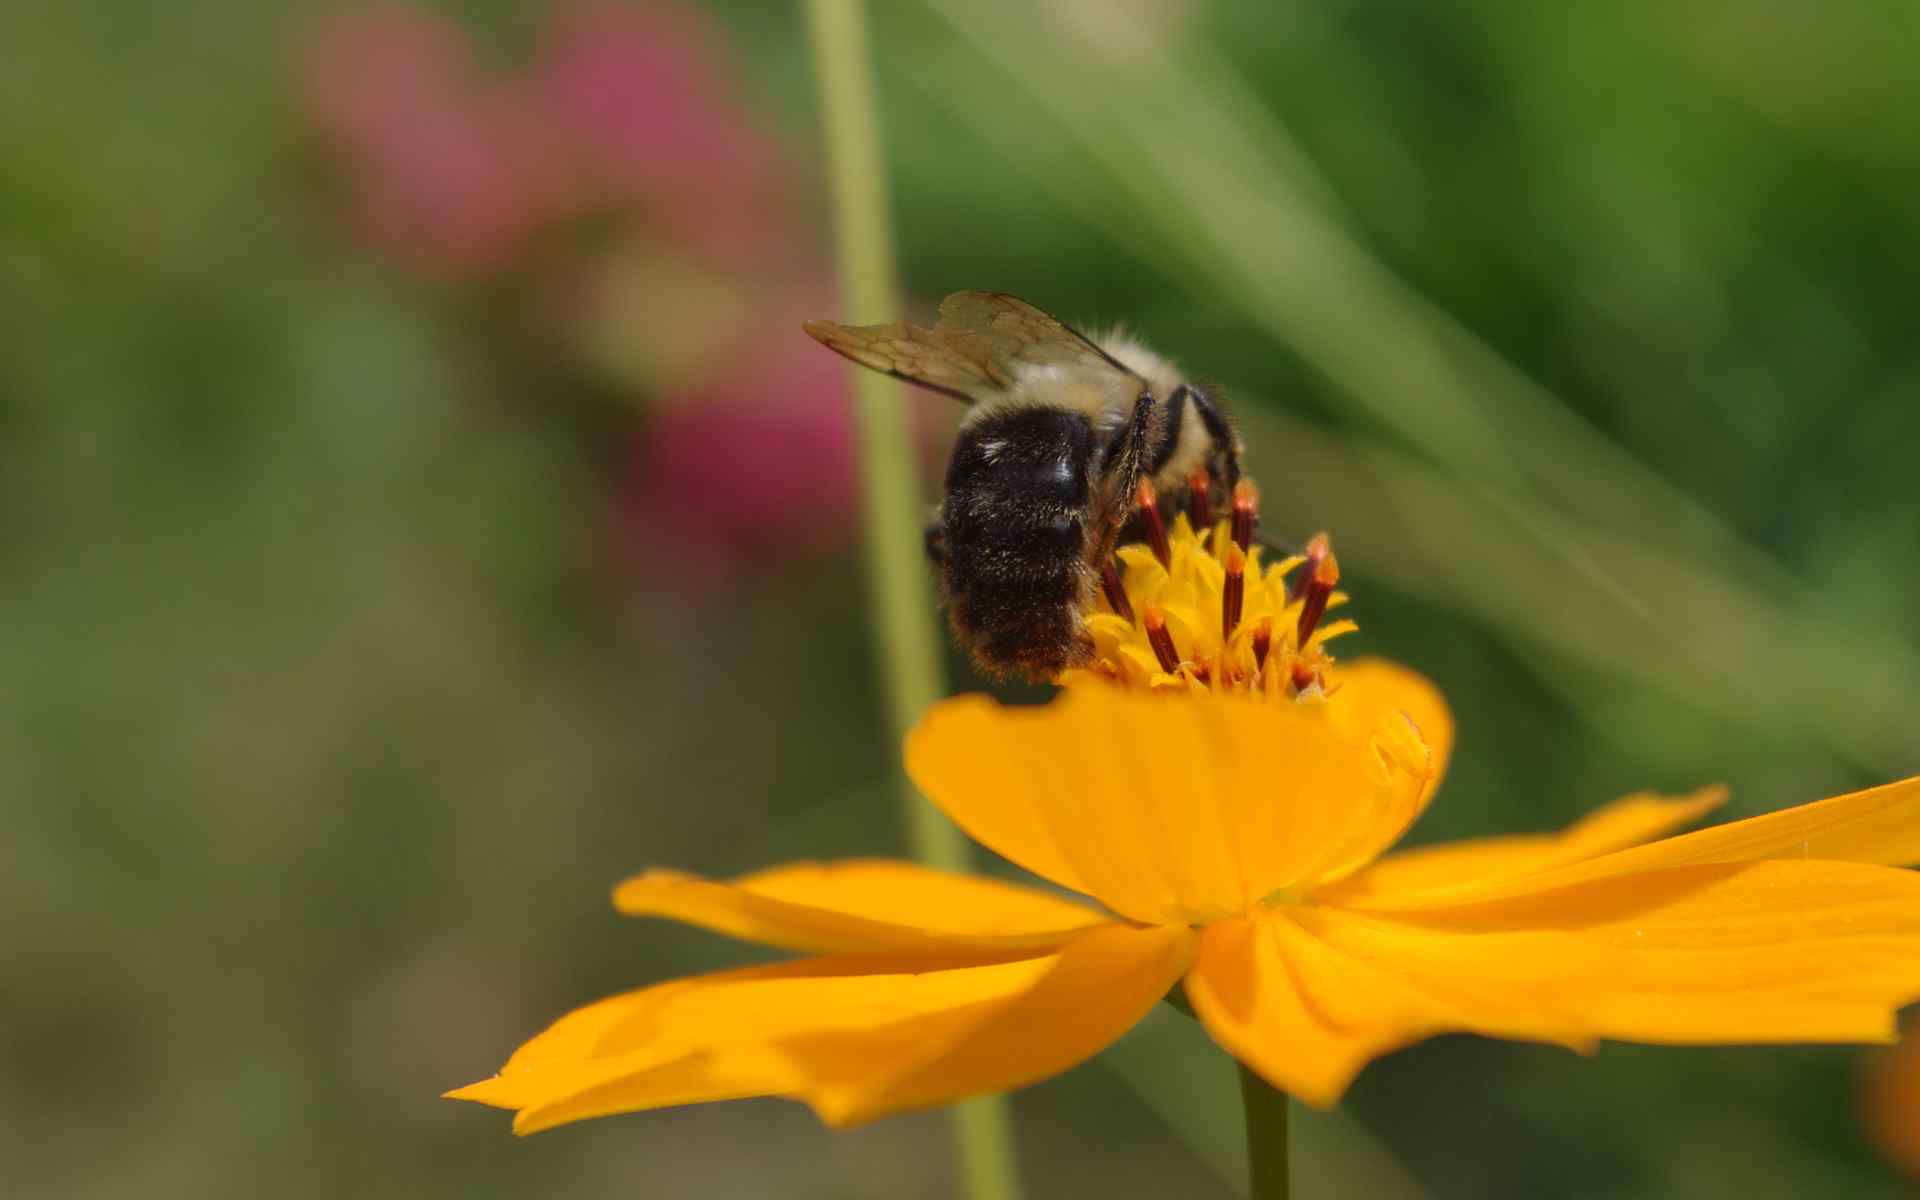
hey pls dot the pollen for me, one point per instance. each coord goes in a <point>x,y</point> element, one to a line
<point>1196,607</point>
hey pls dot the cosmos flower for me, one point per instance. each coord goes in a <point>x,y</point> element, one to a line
<point>1210,801</point>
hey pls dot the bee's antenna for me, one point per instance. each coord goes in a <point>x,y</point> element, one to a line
<point>1246,523</point>
<point>1278,545</point>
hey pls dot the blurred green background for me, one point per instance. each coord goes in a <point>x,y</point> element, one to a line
<point>419,509</point>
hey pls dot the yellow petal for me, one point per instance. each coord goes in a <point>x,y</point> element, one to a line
<point>866,904</point>
<point>1373,689</point>
<point>629,1021</point>
<point>856,1036</point>
<point>1879,825</point>
<point>1407,722</point>
<point>1181,809</point>
<point>1433,874</point>
<point>559,1094</point>
<point>1094,990</point>
<point>1762,952</point>
<point>647,1049</point>
<point>1729,952</point>
<point>1308,1017</point>
<point>1243,991</point>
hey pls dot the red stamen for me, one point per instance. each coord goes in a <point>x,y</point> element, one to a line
<point>1316,550</point>
<point>1303,677</point>
<point>1317,585</point>
<point>1156,526</point>
<point>1200,500</point>
<point>1246,504</point>
<point>1233,592</point>
<point>1116,591</point>
<point>1262,642</point>
<point>1160,640</point>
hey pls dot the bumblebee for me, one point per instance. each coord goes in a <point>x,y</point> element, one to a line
<point>1067,442</point>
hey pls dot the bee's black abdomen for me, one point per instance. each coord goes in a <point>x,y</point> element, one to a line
<point>1015,520</point>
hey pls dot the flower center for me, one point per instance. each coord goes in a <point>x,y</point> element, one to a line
<point>1192,606</point>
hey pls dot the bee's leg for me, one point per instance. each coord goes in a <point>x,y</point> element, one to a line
<point>936,536</point>
<point>1119,466</point>
<point>1124,459</point>
<point>1215,422</point>
<point>1170,429</point>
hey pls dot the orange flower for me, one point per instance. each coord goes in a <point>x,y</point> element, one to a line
<point>1228,835</point>
<point>1890,1101</point>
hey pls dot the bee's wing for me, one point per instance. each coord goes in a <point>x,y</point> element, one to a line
<point>981,340</point>
<point>999,330</point>
<point>908,352</point>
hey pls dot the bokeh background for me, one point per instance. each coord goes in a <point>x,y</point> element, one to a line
<point>419,509</point>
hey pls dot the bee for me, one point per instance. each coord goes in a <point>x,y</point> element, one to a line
<point>1060,434</point>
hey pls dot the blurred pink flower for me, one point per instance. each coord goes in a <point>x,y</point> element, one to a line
<point>639,91</point>
<point>626,116</point>
<point>759,458</point>
<point>627,111</point>
<point>436,165</point>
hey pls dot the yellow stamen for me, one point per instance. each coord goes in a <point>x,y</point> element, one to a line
<point>1212,614</point>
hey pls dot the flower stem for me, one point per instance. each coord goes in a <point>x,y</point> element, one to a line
<point>903,606</point>
<point>1266,1115</point>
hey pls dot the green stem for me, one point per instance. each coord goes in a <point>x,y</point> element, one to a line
<point>1266,1113</point>
<point>902,600</point>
